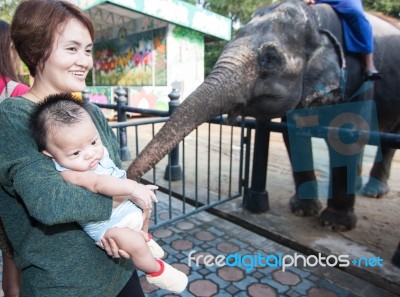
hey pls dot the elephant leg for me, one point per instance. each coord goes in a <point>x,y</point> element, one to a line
<point>339,214</point>
<point>305,202</point>
<point>305,206</point>
<point>396,256</point>
<point>377,186</point>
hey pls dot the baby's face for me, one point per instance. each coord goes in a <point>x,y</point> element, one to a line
<point>76,147</point>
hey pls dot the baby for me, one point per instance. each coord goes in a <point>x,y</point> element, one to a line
<point>63,130</point>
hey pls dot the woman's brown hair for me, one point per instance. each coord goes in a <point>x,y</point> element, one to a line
<point>34,28</point>
<point>6,63</point>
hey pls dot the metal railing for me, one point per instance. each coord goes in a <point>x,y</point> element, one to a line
<point>212,164</point>
<point>209,167</point>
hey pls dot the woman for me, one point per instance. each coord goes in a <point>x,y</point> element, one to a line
<point>39,209</point>
<point>357,32</point>
<point>9,87</point>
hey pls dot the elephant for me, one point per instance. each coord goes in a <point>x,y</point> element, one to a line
<point>290,56</point>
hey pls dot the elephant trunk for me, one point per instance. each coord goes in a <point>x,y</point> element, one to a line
<point>222,92</point>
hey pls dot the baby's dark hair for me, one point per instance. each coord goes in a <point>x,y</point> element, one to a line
<point>54,111</point>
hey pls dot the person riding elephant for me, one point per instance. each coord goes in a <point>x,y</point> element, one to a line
<point>358,36</point>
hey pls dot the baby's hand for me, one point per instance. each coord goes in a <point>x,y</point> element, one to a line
<point>143,195</point>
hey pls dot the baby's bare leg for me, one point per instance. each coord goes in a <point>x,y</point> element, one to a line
<point>146,220</point>
<point>135,245</point>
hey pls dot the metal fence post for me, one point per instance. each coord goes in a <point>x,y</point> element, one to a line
<point>255,198</point>
<point>173,170</point>
<point>122,102</point>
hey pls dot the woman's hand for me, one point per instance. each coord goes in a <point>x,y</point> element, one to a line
<point>111,248</point>
<point>309,1</point>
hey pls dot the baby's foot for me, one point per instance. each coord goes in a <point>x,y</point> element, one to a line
<point>168,278</point>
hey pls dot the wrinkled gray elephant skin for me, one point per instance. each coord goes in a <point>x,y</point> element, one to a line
<point>281,60</point>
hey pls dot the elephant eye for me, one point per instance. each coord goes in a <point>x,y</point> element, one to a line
<point>270,59</point>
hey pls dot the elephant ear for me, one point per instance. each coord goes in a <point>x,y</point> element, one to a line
<point>321,83</point>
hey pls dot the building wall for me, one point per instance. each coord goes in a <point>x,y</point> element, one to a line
<point>149,57</point>
<point>185,59</point>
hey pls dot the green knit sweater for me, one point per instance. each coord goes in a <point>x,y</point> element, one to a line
<point>39,211</point>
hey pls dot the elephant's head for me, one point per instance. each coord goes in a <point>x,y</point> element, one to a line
<point>272,65</point>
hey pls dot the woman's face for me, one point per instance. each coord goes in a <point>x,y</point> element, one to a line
<point>70,61</point>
